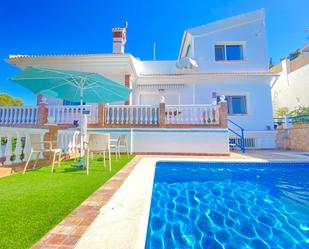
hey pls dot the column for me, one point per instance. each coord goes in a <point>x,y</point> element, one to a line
<point>128,84</point>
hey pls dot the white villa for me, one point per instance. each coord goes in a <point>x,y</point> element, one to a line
<point>226,57</point>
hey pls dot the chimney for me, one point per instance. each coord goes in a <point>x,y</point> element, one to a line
<point>119,39</point>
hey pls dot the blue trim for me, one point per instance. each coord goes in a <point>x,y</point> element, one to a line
<point>240,145</point>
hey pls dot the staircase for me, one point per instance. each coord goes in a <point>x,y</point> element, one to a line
<point>239,132</point>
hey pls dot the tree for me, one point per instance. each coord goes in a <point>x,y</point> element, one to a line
<point>300,110</point>
<point>282,111</point>
<point>294,55</point>
<point>7,100</point>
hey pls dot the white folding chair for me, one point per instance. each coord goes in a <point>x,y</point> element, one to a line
<point>98,143</point>
<point>121,142</point>
<point>38,147</point>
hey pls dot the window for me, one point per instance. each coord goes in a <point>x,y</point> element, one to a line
<point>235,104</point>
<point>188,50</point>
<point>229,52</point>
<point>220,52</point>
<point>67,102</point>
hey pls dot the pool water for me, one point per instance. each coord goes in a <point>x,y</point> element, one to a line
<point>229,205</point>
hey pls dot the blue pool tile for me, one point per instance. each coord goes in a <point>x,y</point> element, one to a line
<point>224,205</point>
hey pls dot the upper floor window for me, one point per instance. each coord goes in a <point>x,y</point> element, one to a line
<point>229,52</point>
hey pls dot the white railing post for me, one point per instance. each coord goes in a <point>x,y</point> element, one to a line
<point>18,149</point>
<point>67,140</point>
<point>287,123</point>
<point>27,147</point>
<point>8,150</point>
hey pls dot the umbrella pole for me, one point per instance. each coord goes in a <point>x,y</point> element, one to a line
<point>82,132</point>
<point>82,135</point>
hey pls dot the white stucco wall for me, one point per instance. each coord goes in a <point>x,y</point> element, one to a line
<point>198,90</point>
<point>253,38</point>
<point>258,96</point>
<point>291,90</point>
<point>159,140</point>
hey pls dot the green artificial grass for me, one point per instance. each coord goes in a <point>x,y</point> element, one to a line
<point>33,203</point>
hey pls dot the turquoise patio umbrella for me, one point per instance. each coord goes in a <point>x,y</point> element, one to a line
<point>74,86</point>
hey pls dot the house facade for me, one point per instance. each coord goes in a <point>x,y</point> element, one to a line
<point>227,57</point>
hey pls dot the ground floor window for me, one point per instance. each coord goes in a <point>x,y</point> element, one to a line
<point>236,104</point>
<point>67,102</point>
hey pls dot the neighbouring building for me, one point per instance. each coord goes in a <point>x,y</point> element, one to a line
<point>226,57</point>
<point>291,88</point>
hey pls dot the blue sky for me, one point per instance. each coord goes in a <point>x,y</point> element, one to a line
<point>84,26</point>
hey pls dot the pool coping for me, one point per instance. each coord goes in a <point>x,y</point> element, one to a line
<point>122,223</point>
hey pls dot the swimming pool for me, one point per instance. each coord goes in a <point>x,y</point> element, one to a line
<point>229,205</point>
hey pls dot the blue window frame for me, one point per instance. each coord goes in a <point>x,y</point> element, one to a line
<point>229,52</point>
<point>234,52</point>
<point>67,102</point>
<point>220,52</point>
<point>236,104</point>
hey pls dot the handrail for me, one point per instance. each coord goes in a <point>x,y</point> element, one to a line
<point>234,132</point>
<point>240,145</point>
<point>235,124</point>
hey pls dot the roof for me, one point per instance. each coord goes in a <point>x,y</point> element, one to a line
<point>221,25</point>
<point>104,63</point>
<point>17,56</point>
<point>228,23</point>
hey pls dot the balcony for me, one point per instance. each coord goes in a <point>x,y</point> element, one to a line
<point>113,116</point>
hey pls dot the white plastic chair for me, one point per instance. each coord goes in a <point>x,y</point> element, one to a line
<point>38,147</point>
<point>121,142</point>
<point>98,143</point>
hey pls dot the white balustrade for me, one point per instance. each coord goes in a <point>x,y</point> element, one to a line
<point>66,114</point>
<point>18,114</point>
<point>67,140</point>
<point>132,115</point>
<point>15,143</point>
<point>192,114</point>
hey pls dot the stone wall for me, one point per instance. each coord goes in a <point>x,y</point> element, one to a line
<point>294,138</point>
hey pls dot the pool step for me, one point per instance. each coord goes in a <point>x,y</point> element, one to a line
<point>5,171</point>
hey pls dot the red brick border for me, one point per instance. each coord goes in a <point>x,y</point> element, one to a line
<point>67,233</point>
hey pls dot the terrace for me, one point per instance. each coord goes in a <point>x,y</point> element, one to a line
<point>113,116</point>
<point>56,122</point>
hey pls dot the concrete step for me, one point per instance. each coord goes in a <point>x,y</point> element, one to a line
<point>5,171</point>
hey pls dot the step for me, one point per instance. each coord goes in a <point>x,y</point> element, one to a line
<point>5,171</point>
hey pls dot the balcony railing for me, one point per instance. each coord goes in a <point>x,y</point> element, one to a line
<point>132,115</point>
<point>18,115</point>
<point>66,114</point>
<point>15,143</point>
<point>161,115</point>
<point>192,114</point>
